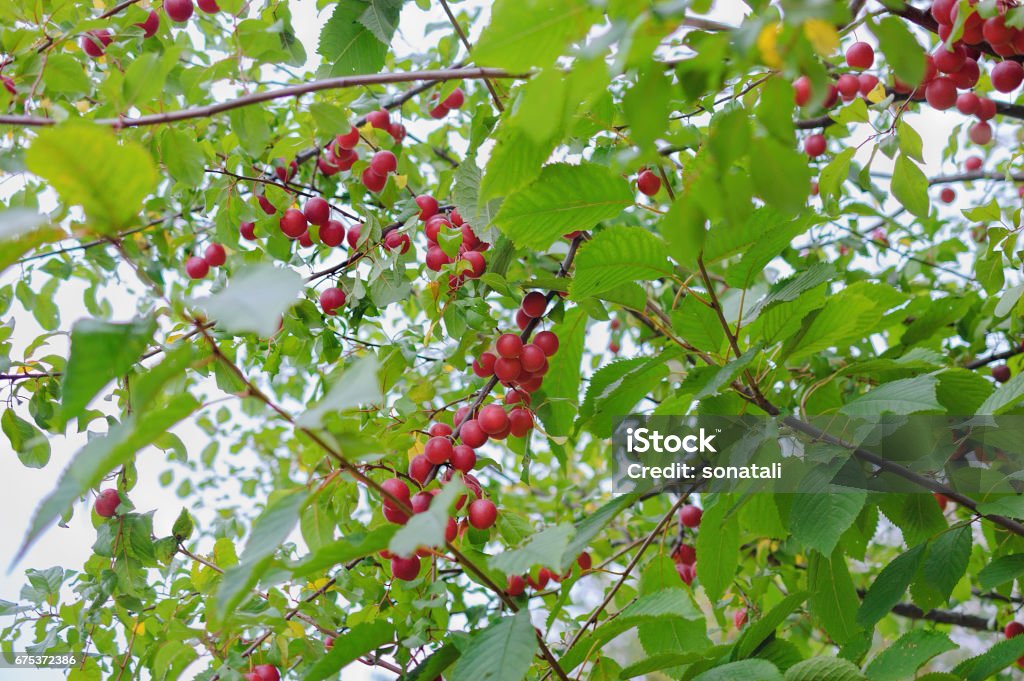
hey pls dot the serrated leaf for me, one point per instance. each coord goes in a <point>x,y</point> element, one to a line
<point>820,517</point>
<point>901,397</point>
<point>381,18</point>
<point>833,600</point>
<point>616,256</point>
<point>745,670</point>
<point>348,44</point>
<point>889,586</point>
<point>502,652</point>
<point>824,669</point>
<point>719,550</point>
<point>537,550</point>
<point>908,654</point>
<point>357,386</point>
<point>357,641</point>
<point>944,565</point>
<point>563,199</point>
<point>526,33</point>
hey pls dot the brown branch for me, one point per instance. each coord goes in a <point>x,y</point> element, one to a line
<point>469,51</point>
<point>994,357</point>
<point>432,76</point>
<point>116,9</point>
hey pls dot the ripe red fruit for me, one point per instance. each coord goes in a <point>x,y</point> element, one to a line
<point>208,6</point>
<point>980,133</point>
<point>534,304</point>
<point>436,258</point>
<point>107,503</point>
<point>546,341</point>
<point>973,163</point>
<point>438,450</point>
<point>947,195</point>
<point>1007,76</point>
<point>178,10</point>
<point>197,267</point>
<point>942,11</point>
<point>463,458</point>
<point>949,61</point>
<point>396,241</point>
<point>995,31</point>
<point>406,569</point>
<point>739,618</point>
<point>584,561</point>
<point>1013,629</point>
<point>393,514</point>
<point>815,145</point>
<point>492,419</point>
<point>860,55</point>
<point>305,240</point>
<point>509,345</point>
<point>648,183</point>
<point>848,86</point>
<point>689,516</point>
<point>507,369</point>
<point>1001,373</point>
<point>317,211</point>
<point>532,358</point>
<point>472,435</point>
<point>267,672</point>
<point>455,100</point>
<point>830,97</point>
<point>396,488</point>
<point>432,227</point>
<point>373,181</point>
<point>968,75</point>
<point>522,320</point>
<point>248,230</point>
<point>802,91</point>
<point>419,469</point>
<point>329,642</point>
<point>440,430</point>
<point>331,299</point>
<point>986,109</point>
<point>348,140</point>
<point>420,501</point>
<point>383,162</point>
<point>150,25</point>
<point>515,396</point>
<point>94,43</point>
<point>942,500</point>
<point>940,93</point>
<point>265,204</point>
<point>515,585</point>
<point>332,233</point>
<point>397,131</point>
<point>968,103</point>
<point>543,576</point>
<point>215,255</point>
<point>520,422</point>
<point>379,119</point>
<point>428,206</point>
<point>439,112</point>
<point>867,83</point>
<point>484,365</point>
<point>685,554</point>
<point>353,235</point>
<point>477,264</point>
<point>293,223</point>
<point>687,573</point>
<point>482,514</point>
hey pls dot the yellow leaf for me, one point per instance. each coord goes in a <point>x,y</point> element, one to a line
<point>823,36</point>
<point>98,4</point>
<point>416,449</point>
<point>140,628</point>
<point>296,629</point>
<point>318,584</point>
<point>768,45</point>
<point>877,93</point>
<point>82,105</point>
<point>401,181</point>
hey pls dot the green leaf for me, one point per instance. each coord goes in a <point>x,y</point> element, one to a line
<point>560,392</point>
<point>745,670</point>
<point>359,385</point>
<point>502,652</point>
<point>356,642</point>
<point>466,197</point>
<point>29,442</point>
<point>647,106</point>
<point>1001,571</point>
<point>719,550</point>
<point>254,300</point>
<point>526,33</point>
<point>696,323</point>
<point>995,659</point>
<point>183,156</point>
<point>819,518</point>
<point>833,599</point>
<point>824,669</point>
<point>658,662</point>
<point>348,44</point>
<point>433,666</point>
<point>183,526</point>
<point>908,654</point>
<point>100,456</point>
<point>616,388</point>
<point>901,49</point>
<point>591,525</point>
<point>269,531</point>
<point>537,550</point>
<point>100,352</point>
<point>910,186</point>
<point>835,173</point>
<point>89,167</point>
<point>780,174</point>
<point>901,397</point>
<point>563,199</point>
<point>1003,397</point>
<point>381,18</point>
<point>344,550</point>
<point>889,587</point>
<point>759,630</point>
<point>427,528</point>
<point>616,256</point>
<point>943,567</point>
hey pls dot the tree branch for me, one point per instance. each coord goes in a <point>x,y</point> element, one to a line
<point>431,76</point>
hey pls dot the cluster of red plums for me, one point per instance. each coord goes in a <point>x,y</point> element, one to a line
<point>950,74</point>
<point>94,43</point>
<point>453,101</point>
<point>442,228</point>
<point>198,267</point>
<point>516,584</point>
<point>685,556</point>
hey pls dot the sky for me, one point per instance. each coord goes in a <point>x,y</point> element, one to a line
<point>70,546</point>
